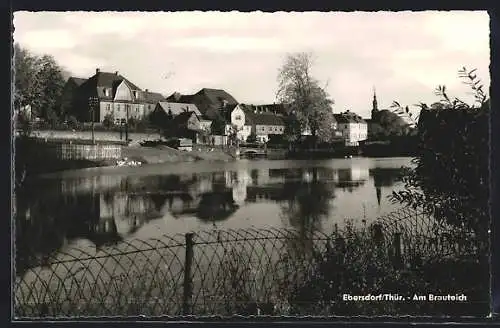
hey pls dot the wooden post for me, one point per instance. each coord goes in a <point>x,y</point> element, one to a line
<point>188,283</point>
<point>397,250</point>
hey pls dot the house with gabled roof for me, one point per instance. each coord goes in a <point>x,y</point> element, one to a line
<point>114,96</point>
<point>209,101</point>
<point>165,112</point>
<point>263,121</point>
<point>186,125</point>
<point>352,127</point>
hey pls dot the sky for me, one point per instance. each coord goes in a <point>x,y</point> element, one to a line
<point>403,55</point>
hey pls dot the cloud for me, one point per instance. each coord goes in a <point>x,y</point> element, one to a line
<point>404,54</point>
<point>227,44</point>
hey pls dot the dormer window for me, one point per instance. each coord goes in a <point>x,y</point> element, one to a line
<point>106,92</point>
<point>136,94</point>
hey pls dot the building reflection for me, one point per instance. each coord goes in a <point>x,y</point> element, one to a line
<point>384,177</point>
<point>107,209</point>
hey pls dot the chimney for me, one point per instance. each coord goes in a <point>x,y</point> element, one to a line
<point>146,90</point>
<point>116,73</point>
<point>97,71</point>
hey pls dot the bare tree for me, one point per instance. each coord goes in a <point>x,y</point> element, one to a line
<point>309,102</point>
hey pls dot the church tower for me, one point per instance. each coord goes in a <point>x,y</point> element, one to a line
<point>374,104</point>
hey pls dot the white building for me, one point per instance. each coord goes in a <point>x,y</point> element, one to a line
<point>240,121</point>
<point>352,127</point>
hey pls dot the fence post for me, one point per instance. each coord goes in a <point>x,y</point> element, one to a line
<point>188,284</point>
<point>397,250</point>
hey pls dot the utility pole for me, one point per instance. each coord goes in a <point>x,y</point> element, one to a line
<point>92,103</point>
<point>127,106</point>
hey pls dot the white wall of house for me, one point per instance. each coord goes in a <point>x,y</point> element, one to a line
<point>353,132</point>
<point>105,108</point>
<point>238,117</point>
<point>193,123</point>
<point>244,133</point>
<point>123,92</point>
<point>263,131</point>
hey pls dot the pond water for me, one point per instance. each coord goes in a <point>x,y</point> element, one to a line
<point>102,206</point>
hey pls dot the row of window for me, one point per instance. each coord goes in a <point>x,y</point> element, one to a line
<point>271,129</point>
<point>118,108</point>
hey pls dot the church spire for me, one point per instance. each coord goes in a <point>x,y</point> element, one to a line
<point>374,104</point>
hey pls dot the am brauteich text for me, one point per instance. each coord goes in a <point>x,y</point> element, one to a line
<point>370,297</point>
<point>445,298</point>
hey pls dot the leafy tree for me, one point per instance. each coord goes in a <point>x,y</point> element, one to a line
<point>451,176</point>
<point>252,138</point>
<point>51,83</point>
<point>72,122</point>
<point>218,126</point>
<point>38,82</point>
<point>293,129</point>
<point>108,120</point>
<point>25,71</point>
<point>233,135</point>
<point>308,100</point>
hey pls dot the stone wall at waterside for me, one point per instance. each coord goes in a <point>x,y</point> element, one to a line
<point>67,151</point>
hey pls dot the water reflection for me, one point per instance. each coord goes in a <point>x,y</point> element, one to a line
<point>106,209</point>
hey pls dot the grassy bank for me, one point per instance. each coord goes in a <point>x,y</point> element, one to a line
<point>164,154</point>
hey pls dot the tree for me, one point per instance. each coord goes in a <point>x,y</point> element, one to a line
<point>293,129</point>
<point>51,83</point>
<point>309,102</point>
<point>252,138</point>
<point>218,126</point>
<point>451,176</point>
<point>25,71</point>
<point>233,135</point>
<point>108,120</point>
<point>38,82</point>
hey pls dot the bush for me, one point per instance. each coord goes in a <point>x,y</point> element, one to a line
<point>451,175</point>
<point>252,138</point>
<point>358,263</point>
<point>108,121</point>
<point>72,122</point>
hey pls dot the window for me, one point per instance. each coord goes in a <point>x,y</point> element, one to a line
<point>108,107</point>
<point>118,107</point>
<point>237,117</point>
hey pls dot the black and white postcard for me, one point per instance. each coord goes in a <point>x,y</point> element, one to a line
<point>280,164</point>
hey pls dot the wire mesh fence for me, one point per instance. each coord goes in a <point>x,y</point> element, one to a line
<point>217,272</point>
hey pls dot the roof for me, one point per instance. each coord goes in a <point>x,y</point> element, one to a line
<point>77,80</point>
<point>348,117</point>
<point>183,117</point>
<point>263,119</point>
<point>102,80</point>
<point>153,97</point>
<point>179,98</point>
<point>178,108</point>
<point>280,109</point>
<point>217,96</point>
<point>208,101</point>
